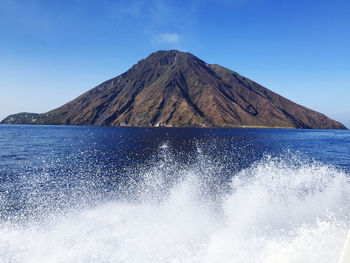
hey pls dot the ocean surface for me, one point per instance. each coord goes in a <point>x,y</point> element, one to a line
<point>107,194</point>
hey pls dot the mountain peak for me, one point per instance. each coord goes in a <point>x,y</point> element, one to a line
<point>167,53</point>
<point>166,57</point>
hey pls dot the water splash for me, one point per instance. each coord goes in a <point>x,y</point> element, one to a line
<point>280,209</point>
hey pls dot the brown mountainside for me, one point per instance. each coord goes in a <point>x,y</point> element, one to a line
<point>176,89</point>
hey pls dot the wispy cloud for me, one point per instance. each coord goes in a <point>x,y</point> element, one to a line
<point>168,38</point>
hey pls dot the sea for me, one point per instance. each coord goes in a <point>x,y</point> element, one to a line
<point>122,194</point>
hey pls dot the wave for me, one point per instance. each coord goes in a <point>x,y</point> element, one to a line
<point>279,209</point>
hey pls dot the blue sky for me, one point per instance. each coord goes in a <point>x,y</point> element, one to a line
<point>52,51</point>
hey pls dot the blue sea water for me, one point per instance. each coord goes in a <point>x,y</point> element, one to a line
<point>108,194</point>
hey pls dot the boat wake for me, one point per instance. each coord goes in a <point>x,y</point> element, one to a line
<point>279,209</point>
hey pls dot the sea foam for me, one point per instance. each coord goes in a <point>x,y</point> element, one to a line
<point>279,209</point>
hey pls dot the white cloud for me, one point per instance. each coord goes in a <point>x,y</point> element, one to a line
<point>169,38</point>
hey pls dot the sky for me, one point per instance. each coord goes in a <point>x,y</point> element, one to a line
<point>51,51</point>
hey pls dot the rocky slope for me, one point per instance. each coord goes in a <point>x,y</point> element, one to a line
<point>176,89</point>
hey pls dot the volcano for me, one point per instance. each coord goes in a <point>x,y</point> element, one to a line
<point>177,89</point>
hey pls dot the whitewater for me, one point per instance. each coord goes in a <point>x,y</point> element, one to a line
<point>281,208</point>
